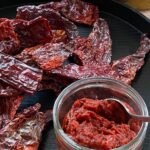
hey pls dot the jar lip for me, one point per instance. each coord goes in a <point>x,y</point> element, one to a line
<point>75,84</point>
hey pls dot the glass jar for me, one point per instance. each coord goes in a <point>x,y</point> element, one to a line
<point>97,88</point>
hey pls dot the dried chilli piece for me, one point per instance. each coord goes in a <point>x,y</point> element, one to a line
<point>57,6</point>
<point>7,90</point>
<point>83,51</point>
<point>34,32</point>
<point>24,131</point>
<point>100,37</point>
<point>125,68</point>
<point>72,72</point>
<point>25,56</point>
<point>50,55</point>
<point>18,74</point>
<point>9,42</point>
<point>3,19</point>
<point>56,21</point>
<point>80,12</point>
<point>96,49</point>
<point>75,10</point>
<point>8,109</point>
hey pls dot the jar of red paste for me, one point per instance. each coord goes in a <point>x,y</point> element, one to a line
<point>97,88</point>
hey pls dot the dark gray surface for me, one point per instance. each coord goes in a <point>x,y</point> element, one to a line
<point>125,41</point>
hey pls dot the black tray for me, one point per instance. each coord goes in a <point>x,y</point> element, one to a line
<point>126,26</point>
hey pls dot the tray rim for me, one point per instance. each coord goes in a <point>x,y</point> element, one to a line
<point>109,3</point>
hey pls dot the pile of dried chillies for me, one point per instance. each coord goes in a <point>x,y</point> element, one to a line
<point>34,49</point>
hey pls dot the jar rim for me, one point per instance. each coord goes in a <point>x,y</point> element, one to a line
<point>81,82</point>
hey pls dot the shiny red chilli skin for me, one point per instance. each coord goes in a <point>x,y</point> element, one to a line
<point>47,56</point>
<point>101,39</point>
<point>34,32</point>
<point>24,131</point>
<point>72,72</point>
<point>18,74</point>
<point>75,10</point>
<point>26,58</point>
<point>56,21</point>
<point>123,69</point>
<point>57,6</point>
<point>7,91</point>
<point>80,12</point>
<point>9,42</point>
<point>96,48</point>
<point>50,55</point>
<point>8,108</point>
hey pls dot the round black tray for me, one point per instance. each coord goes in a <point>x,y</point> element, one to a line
<point>126,26</point>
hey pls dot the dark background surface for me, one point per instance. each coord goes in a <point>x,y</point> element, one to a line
<point>126,27</point>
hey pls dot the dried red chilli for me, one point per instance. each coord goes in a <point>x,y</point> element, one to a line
<point>34,32</point>
<point>57,6</point>
<point>9,42</point>
<point>50,55</point>
<point>95,49</point>
<point>80,12</point>
<point>123,69</point>
<point>26,58</point>
<point>101,40</point>
<point>24,131</point>
<point>18,74</point>
<point>7,91</point>
<point>72,72</point>
<point>75,10</point>
<point>56,21</point>
<point>8,108</point>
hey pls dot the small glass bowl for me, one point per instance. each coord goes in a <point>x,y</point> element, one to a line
<point>97,88</point>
